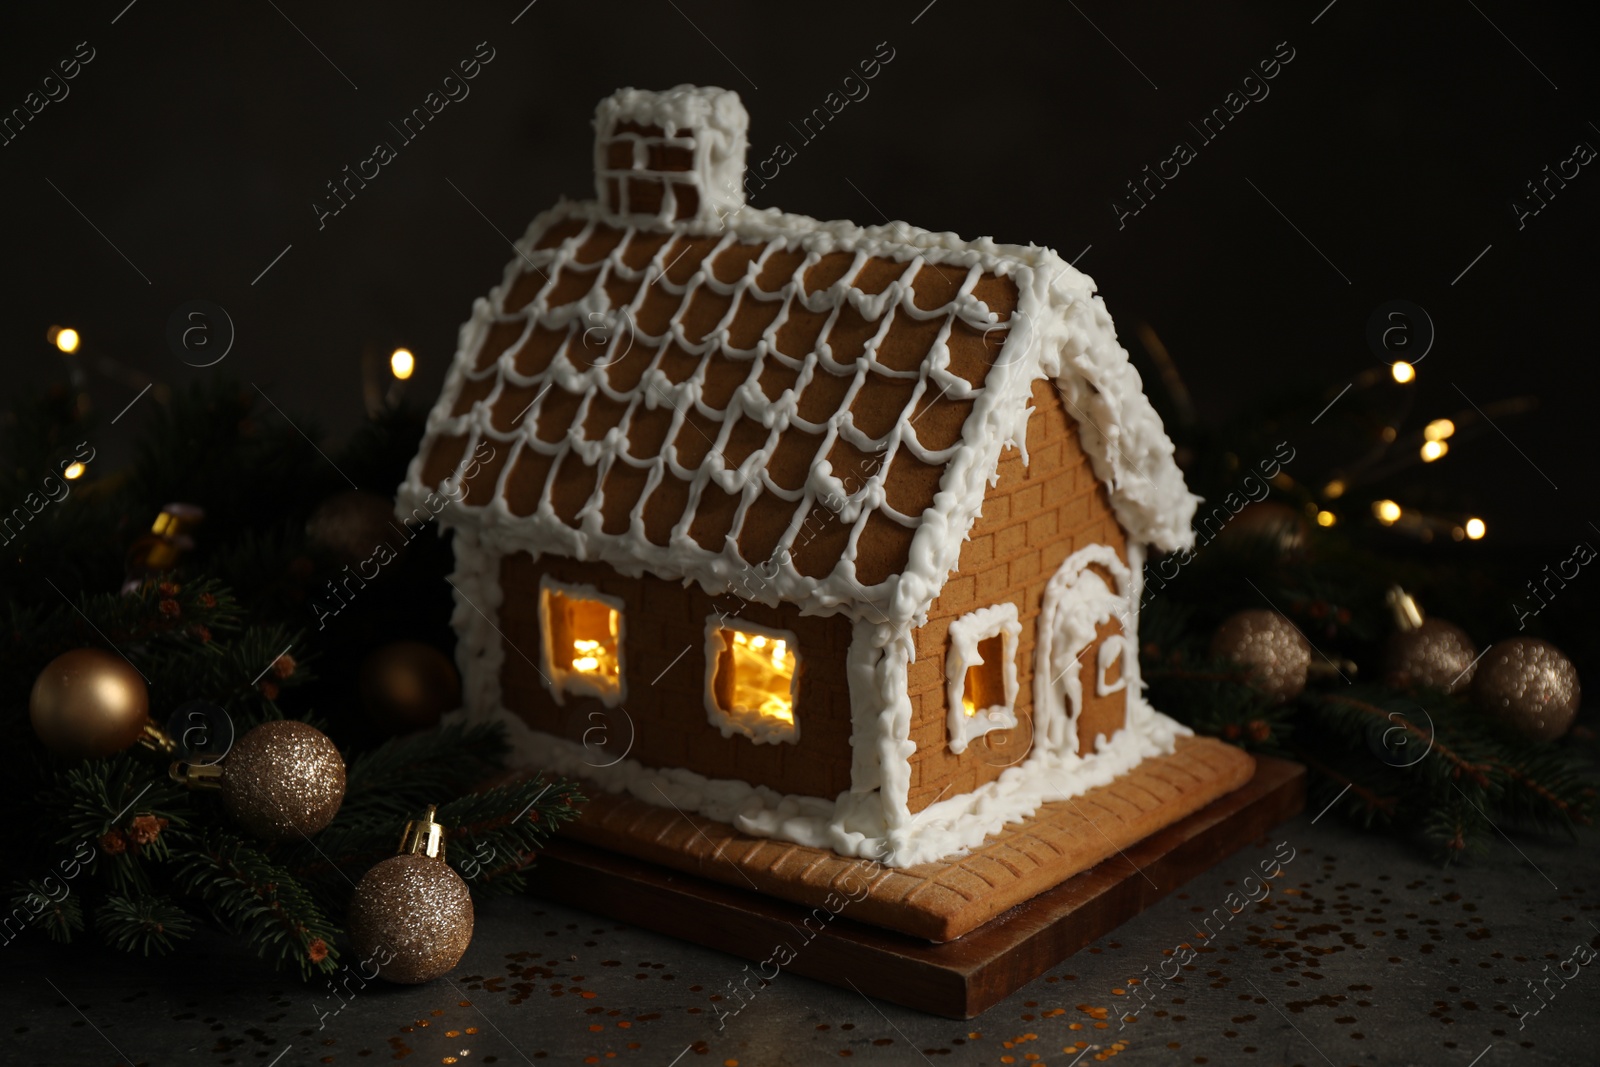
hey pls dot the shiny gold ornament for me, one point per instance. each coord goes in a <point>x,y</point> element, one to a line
<point>163,547</point>
<point>347,527</point>
<point>408,685</point>
<point>1426,652</point>
<point>89,702</point>
<point>1275,651</point>
<point>281,780</point>
<point>1530,686</point>
<point>412,914</point>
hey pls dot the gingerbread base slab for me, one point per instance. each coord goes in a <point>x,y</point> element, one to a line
<point>959,979</point>
<point>945,899</point>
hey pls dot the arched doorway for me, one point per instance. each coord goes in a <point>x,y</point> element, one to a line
<point>1082,661</point>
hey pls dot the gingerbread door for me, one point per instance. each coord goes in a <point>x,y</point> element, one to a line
<point>1081,660</point>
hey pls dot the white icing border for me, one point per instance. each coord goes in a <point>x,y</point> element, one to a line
<point>560,680</point>
<point>966,633</point>
<point>758,728</point>
<point>720,124</point>
<point>1113,648</point>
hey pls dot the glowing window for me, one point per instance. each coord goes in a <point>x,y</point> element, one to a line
<point>582,631</point>
<point>751,681</point>
<point>981,673</point>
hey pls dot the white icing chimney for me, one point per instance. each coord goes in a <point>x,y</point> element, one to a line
<point>670,156</point>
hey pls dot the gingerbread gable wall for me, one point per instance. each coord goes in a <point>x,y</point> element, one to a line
<point>1033,519</point>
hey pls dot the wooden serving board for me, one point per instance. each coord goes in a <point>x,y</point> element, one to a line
<point>957,979</point>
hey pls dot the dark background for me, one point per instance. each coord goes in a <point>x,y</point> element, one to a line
<point>199,136</point>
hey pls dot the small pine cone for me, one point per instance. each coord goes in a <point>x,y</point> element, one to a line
<point>1260,730</point>
<point>207,600</point>
<point>201,634</point>
<point>317,950</point>
<point>113,843</point>
<point>146,828</point>
<point>170,608</point>
<point>284,665</point>
<point>168,588</point>
<point>268,689</point>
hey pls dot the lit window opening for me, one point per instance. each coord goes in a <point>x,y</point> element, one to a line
<point>751,682</point>
<point>986,686</point>
<point>981,673</point>
<point>582,631</point>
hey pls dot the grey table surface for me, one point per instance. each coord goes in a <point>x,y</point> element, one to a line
<point>1364,953</point>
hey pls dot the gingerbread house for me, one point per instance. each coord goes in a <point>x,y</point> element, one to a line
<point>833,533</point>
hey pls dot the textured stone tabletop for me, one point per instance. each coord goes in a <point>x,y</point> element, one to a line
<point>1363,953</point>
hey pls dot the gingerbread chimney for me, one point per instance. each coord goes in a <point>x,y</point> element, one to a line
<point>670,156</point>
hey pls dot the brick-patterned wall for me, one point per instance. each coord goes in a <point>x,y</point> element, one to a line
<point>1037,516</point>
<point>669,715</point>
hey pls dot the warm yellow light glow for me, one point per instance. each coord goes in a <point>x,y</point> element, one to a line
<point>1326,518</point>
<point>402,363</point>
<point>588,656</point>
<point>984,685</point>
<point>1388,434</point>
<point>1476,529</point>
<point>1403,372</point>
<point>1439,429</point>
<point>74,472</point>
<point>67,340</point>
<point>1333,490</point>
<point>1432,450</point>
<point>763,680</point>
<point>1387,511</point>
<point>583,637</point>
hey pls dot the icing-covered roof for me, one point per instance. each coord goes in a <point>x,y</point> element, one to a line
<point>770,405</point>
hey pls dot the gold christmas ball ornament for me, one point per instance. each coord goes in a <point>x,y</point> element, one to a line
<point>349,526</point>
<point>408,685</point>
<point>89,702</point>
<point>1425,652</point>
<point>1436,655</point>
<point>411,915</point>
<point>282,780</point>
<point>1275,651</point>
<point>1530,686</point>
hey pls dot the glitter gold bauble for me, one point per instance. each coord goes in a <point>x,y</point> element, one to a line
<point>1275,651</point>
<point>1530,686</point>
<point>408,685</point>
<point>411,915</point>
<point>282,780</point>
<point>89,702</point>
<point>1435,655</point>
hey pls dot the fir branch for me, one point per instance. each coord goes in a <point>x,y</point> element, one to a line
<point>260,900</point>
<point>33,903</point>
<point>495,834</point>
<point>146,924</point>
<point>1369,804</point>
<point>1371,716</point>
<point>405,774</point>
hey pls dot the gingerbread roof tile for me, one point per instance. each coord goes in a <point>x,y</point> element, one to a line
<point>766,404</point>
